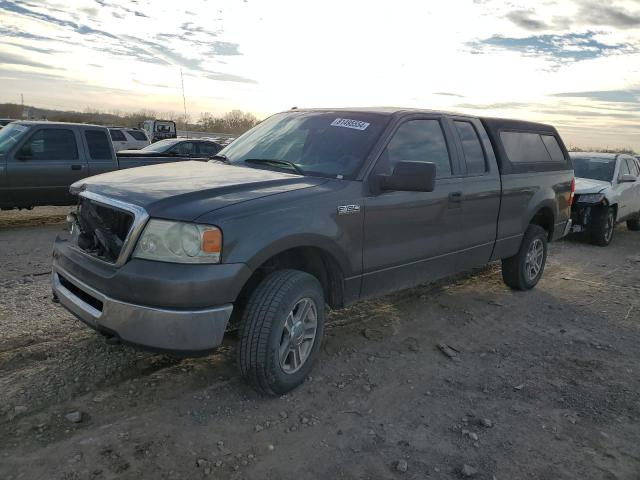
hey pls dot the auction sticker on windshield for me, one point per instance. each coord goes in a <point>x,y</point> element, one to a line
<point>347,123</point>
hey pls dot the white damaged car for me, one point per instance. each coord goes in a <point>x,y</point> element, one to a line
<point>607,192</point>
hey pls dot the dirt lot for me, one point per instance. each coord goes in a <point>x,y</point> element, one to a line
<point>545,384</point>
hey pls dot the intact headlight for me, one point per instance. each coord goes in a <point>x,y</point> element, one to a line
<point>179,242</point>
<point>591,198</point>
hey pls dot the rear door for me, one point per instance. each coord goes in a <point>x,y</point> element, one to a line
<point>629,199</point>
<point>410,237</point>
<point>41,170</point>
<point>480,193</point>
<point>118,139</point>
<point>100,151</point>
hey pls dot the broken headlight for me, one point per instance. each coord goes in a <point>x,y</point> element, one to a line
<point>591,198</point>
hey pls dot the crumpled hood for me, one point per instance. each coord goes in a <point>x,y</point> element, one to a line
<point>586,185</point>
<point>187,190</point>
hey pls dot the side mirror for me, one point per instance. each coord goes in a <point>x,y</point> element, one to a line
<point>172,153</point>
<point>627,178</point>
<point>409,177</point>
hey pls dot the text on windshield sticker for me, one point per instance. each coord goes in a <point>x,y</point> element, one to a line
<point>346,123</point>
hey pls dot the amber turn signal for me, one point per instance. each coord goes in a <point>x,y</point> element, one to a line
<point>212,241</point>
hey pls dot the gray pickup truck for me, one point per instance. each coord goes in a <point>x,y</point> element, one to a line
<point>40,160</point>
<point>310,208</point>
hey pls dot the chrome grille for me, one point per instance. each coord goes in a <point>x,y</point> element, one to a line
<point>105,228</point>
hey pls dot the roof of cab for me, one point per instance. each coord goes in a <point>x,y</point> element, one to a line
<point>380,110</point>
<point>489,122</point>
<point>66,124</point>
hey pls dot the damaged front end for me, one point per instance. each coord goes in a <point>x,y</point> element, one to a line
<point>102,229</point>
<point>583,208</point>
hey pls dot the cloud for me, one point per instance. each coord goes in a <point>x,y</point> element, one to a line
<point>448,94</point>
<point>571,47</point>
<point>613,96</point>
<point>607,14</point>
<point>45,51</point>
<point>524,19</point>
<point>228,77</point>
<point>12,59</point>
<point>494,106</point>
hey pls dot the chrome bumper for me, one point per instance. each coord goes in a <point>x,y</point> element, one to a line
<point>157,328</point>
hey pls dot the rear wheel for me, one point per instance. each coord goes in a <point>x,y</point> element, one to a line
<point>281,331</point>
<point>524,270</point>
<point>602,226</point>
<point>634,223</point>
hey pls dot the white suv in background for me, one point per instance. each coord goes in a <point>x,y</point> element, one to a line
<point>607,193</point>
<point>128,138</point>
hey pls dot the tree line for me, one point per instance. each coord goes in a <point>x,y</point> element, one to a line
<point>234,122</point>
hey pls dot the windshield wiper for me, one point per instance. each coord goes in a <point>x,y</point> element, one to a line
<point>221,157</point>
<point>276,163</point>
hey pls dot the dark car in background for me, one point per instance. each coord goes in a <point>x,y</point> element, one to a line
<point>5,121</point>
<point>40,160</point>
<point>176,147</point>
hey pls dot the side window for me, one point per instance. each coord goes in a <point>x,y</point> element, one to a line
<point>51,144</point>
<point>473,153</point>
<point>138,135</point>
<point>555,152</point>
<point>117,136</point>
<point>184,148</point>
<point>637,168</point>
<point>209,148</point>
<point>524,147</point>
<point>417,141</point>
<point>99,147</point>
<point>631,165</point>
<point>624,168</point>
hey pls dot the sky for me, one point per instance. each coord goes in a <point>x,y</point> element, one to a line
<point>572,63</point>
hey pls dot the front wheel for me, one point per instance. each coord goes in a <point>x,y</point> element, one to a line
<point>524,269</point>
<point>281,331</point>
<point>603,224</point>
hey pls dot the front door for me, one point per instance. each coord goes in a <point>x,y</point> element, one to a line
<point>409,237</point>
<point>41,170</point>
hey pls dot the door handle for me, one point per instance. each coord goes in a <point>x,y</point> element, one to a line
<point>76,167</point>
<point>455,197</point>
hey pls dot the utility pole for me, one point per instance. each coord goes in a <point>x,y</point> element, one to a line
<point>184,100</point>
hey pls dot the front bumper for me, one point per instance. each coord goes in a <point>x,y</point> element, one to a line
<point>157,328</point>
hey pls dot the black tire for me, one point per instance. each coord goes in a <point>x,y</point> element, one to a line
<point>602,226</point>
<point>262,330</point>
<point>516,271</point>
<point>633,224</point>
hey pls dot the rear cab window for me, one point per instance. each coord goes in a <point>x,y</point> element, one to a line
<point>117,136</point>
<point>98,143</point>
<point>472,148</point>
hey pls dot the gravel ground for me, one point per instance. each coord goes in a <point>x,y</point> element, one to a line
<point>542,384</point>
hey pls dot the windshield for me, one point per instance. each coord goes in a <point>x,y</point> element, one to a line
<point>327,144</point>
<point>159,147</point>
<point>594,168</point>
<point>10,135</point>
